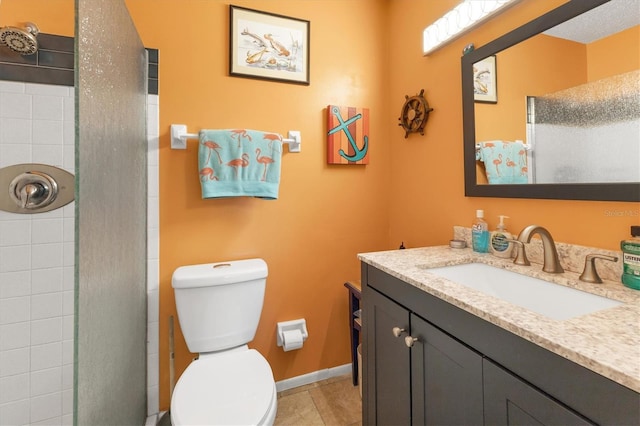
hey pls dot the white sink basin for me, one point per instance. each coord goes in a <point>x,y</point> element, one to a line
<point>549,299</point>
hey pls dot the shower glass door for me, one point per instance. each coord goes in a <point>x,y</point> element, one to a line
<point>110,329</point>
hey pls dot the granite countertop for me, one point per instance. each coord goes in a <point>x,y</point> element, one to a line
<point>606,341</point>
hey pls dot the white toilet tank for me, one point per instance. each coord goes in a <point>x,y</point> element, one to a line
<point>219,304</point>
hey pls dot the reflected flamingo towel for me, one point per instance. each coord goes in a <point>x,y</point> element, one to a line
<point>239,163</point>
<point>504,161</point>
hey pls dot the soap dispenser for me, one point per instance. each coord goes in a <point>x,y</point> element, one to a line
<point>498,244</point>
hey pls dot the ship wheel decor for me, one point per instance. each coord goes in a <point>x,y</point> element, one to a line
<point>415,113</point>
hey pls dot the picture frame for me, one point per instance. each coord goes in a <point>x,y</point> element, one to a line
<point>268,46</point>
<point>485,80</point>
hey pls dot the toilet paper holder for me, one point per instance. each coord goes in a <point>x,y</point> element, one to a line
<point>293,325</point>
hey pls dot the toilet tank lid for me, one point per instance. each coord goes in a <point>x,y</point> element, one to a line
<point>220,273</point>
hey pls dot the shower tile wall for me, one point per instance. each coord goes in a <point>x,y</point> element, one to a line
<point>37,262</point>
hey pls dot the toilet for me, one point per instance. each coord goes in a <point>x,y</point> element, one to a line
<point>219,306</point>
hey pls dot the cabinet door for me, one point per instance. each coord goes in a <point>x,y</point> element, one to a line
<point>510,401</point>
<point>446,378</point>
<point>387,362</point>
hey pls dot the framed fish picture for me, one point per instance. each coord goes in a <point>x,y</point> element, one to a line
<point>267,46</point>
<point>485,81</point>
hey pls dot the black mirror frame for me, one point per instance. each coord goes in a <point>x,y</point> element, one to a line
<point>586,191</point>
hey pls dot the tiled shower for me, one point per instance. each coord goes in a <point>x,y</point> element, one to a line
<point>37,262</point>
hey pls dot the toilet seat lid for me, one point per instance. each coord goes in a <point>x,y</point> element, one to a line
<point>232,388</point>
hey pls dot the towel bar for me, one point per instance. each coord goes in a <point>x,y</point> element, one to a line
<point>179,138</point>
<point>524,145</point>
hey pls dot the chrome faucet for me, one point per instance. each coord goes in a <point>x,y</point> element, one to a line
<point>550,254</point>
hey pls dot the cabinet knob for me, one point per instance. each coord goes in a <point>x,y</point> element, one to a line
<point>397,331</point>
<point>409,341</point>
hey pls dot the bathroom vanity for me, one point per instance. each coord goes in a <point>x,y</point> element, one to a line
<point>437,352</point>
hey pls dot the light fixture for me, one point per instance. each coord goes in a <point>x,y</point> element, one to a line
<point>460,19</point>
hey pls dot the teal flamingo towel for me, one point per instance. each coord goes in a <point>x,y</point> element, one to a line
<point>239,163</point>
<point>504,161</point>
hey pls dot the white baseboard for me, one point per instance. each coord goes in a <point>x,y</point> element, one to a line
<point>313,377</point>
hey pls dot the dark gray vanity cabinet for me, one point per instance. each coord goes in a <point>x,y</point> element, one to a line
<point>388,369</point>
<point>511,401</point>
<point>421,376</point>
<point>461,369</point>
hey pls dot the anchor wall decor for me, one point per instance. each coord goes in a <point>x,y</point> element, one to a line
<point>347,135</point>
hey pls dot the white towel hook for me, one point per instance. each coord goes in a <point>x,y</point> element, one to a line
<point>179,138</point>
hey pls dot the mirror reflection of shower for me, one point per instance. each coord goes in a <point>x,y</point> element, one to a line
<point>20,40</point>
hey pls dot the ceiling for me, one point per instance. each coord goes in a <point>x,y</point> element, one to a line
<point>603,21</point>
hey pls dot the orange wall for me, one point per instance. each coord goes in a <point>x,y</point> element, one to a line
<point>614,55</point>
<point>325,215</point>
<point>427,186</point>
<point>363,53</point>
<point>50,16</point>
<point>534,67</point>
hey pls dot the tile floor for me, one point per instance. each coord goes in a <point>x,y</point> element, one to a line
<point>334,402</point>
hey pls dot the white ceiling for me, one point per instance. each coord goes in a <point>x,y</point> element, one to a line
<point>607,19</point>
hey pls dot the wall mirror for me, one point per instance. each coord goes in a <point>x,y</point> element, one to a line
<point>548,130</point>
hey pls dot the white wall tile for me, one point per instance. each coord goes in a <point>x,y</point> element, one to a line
<point>46,280</point>
<point>67,364</point>
<point>15,284</point>
<point>15,361</point>
<point>68,229</point>
<point>47,132</point>
<point>15,258</point>
<point>154,144</point>
<point>68,303</point>
<point>48,421</point>
<point>152,369</point>
<point>46,356</point>
<point>152,337</point>
<point>68,278</point>
<point>46,230</point>
<point>48,154</point>
<point>14,336</point>
<point>68,254</point>
<point>15,413</point>
<point>46,255</point>
<point>67,402</point>
<point>47,107</point>
<point>47,305</point>
<point>37,124</point>
<point>15,105</point>
<point>67,327</point>
<point>152,400</point>
<point>14,310</point>
<point>47,89</point>
<point>46,407</point>
<point>14,232</point>
<point>68,133</point>
<point>46,381</point>
<point>11,154</point>
<point>12,87</point>
<point>152,274</point>
<point>46,331</point>
<point>15,131</point>
<point>19,386</point>
<point>152,181</point>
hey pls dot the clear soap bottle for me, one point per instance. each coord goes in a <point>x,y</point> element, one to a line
<point>480,233</point>
<point>499,246</point>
